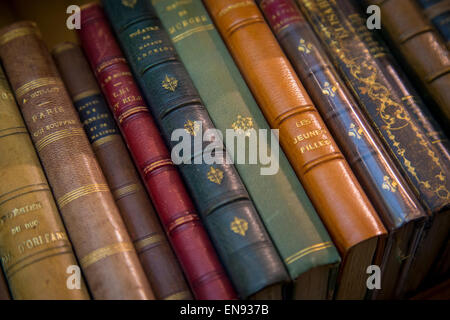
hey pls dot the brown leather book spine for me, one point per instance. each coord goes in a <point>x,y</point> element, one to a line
<point>422,48</point>
<point>35,250</point>
<point>98,234</point>
<point>155,253</point>
<point>4,292</point>
<point>318,162</point>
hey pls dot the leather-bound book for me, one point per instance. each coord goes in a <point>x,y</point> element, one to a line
<point>309,255</point>
<point>157,258</point>
<point>438,12</point>
<point>4,291</point>
<point>106,254</point>
<point>397,113</point>
<point>332,187</point>
<point>385,186</point>
<point>188,236</point>
<point>236,229</point>
<point>421,47</point>
<point>35,250</point>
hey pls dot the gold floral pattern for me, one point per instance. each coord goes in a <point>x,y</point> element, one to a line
<point>215,175</point>
<point>239,226</point>
<point>242,125</point>
<point>170,83</point>
<point>304,46</point>
<point>355,132</point>
<point>129,3</point>
<point>328,89</point>
<point>192,127</point>
<point>389,184</point>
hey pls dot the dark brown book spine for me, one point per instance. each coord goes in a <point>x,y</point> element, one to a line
<point>99,236</point>
<point>4,292</point>
<point>157,258</point>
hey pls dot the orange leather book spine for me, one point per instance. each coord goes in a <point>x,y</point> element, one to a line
<point>314,155</point>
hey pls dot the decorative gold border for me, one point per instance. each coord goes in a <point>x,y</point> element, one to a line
<point>85,94</point>
<point>155,238</point>
<point>58,135</point>
<point>104,140</point>
<point>131,112</point>
<point>81,192</point>
<point>19,32</point>
<point>300,254</point>
<point>37,83</point>
<point>192,31</point>
<point>105,252</point>
<point>125,190</point>
<point>157,164</point>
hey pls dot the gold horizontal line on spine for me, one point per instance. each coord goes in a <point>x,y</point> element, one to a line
<point>178,222</point>
<point>81,192</point>
<point>155,238</point>
<point>130,112</point>
<point>58,135</point>
<point>85,94</point>
<point>19,32</point>
<point>183,295</point>
<point>105,252</point>
<point>37,83</point>
<point>306,251</point>
<point>157,164</point>
<point>8,132</point>
<point>38,256</point>
<point>119,193</point>
<point>108,63</point>
<point>233,6</point>
<point>104,140</point>
<point>190,32</point>
<point>63,47</point>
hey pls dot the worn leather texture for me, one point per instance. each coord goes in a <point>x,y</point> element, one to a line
<point>233,223</point>
<point>438,13</point>
<point>34,245</point>
<point>155,253</point>
<point>420,45</point>
<point>100,239</point>
<point>383,183</point>
<point>390,103</point>
<point>189,239</point>
<point>286,209</point>
<point>4,291</point>
<point>318,162</point>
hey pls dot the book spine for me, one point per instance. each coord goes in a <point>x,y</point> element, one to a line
<point>157,258</point>
<point>388,191</point>
<point>318,162</point>
<point>34,247</point>
<point>221,198</point>
<point>423,50</point>
<point>438,12</point>
<point>395,110</point>
<point>4,291</point>
<point>231,106</point>
<point>170,198</point>
<point>103,247</point>
<point>387,98</point>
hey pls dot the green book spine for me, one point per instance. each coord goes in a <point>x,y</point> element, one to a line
<point>280,199</point>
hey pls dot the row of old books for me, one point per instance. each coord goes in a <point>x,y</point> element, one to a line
<point>90,177</point>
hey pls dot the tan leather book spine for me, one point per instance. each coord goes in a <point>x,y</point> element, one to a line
<point>103,247</point>
<point>157,258</point>
<point>35,250</point>
<point>422,48</point>
<point>4,292</point>
<point>317,160</point>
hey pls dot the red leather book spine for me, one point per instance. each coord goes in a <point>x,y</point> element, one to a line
<point>189,239</point>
